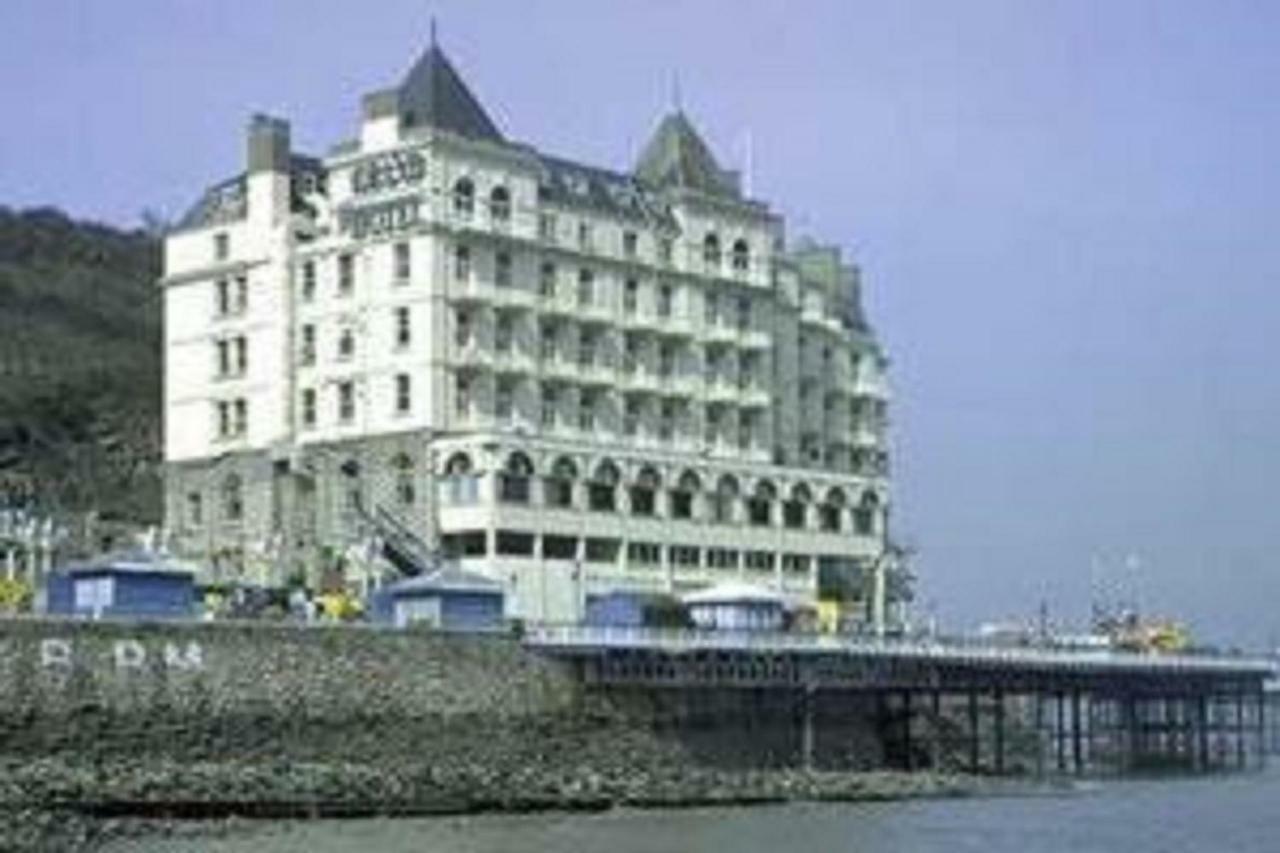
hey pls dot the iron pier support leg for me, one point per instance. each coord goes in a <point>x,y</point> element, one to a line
<point>1077,732</point>
<point>999,732</point>
<point>935,725</point>
<point>1060,731</point>
<point>907,745</point>
<point>1264,744</point>
<point>1202,730</point>
<point>1241,753</point>
<point>1039,727</point>
<point>974,734</point>
<point>807,712</point>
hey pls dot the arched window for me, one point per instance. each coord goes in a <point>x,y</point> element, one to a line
<point>500,204</point>
<point>711,250</point>
<point>864,514</point>
<point>232,498</point>
<point>644,492</point>
<point>464,197</point>
<point>796,510</point>
<point>722,500</point>
<point>459,485</point>
<point>406,490</point>
<point>760,504</point>
<point>602,488</point>
<point>741,256</point>
<point>830,510</point>
<point>558,485</point>
<point>513,481</point>
<point>682,496</point>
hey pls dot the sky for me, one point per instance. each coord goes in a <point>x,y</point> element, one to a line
<point>1065,213</point>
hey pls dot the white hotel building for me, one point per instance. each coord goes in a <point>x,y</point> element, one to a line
<point>575,379</point>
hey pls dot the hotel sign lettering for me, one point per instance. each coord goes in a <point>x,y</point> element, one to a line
<point>388,171</point>
<point>382,218</point>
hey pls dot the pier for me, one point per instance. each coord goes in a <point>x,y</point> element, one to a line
<point>950,704</point>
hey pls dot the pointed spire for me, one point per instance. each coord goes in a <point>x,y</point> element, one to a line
<point>676,156</point>
<point>434,94</point>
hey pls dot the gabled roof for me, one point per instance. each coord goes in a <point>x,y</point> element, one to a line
<point>676,156</point>
<point>433,94</point>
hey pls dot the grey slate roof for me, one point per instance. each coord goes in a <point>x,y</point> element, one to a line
<point>676,156</point>
<point>227,201</point>
<point>572,184</point>
<point>433,94</point>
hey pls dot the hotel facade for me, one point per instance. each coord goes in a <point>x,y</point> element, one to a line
<point>575,380</point>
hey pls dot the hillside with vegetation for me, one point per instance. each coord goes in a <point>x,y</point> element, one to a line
<point>80,384</point>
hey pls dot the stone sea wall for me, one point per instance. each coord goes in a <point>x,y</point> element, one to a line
<point>104,719</point>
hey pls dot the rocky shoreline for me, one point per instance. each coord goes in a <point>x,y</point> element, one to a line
<point>54,805</point>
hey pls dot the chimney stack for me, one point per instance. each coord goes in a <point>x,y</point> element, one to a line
<point>268,144</point>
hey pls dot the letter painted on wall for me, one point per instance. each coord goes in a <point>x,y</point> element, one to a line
<point>55,652</point>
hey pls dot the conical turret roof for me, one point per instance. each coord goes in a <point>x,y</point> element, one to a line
<point>676,156</point>
<point>434,94</point>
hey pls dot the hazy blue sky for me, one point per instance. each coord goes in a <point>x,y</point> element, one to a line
<point>1066,212</point>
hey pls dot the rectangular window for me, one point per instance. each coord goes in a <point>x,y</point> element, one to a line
<point>587,412</point>
<point>666,361</point>
<point>346,345</point>
<point>665,299</point>
<point>221,246</point>
<point>222,297</point>
<point>502,269</point>
<point>223,411</point>
<point>462,329</point>
<point>308,281</point>
<point>346,402</point>
<point>547,281</point>
<point>547,227</point>
<point>242,355</point>
<point>404,400</point>
<point>644,553</point>
<point>462,396</point>
<point>631,417</point>
<point>402,263</point>
<point>586,349</point>
<point>462,263</point>
<point>513,544</point>
<point>308,408</point>
<point>504,400</point>
<point>586,287</point>
<point>629,243</point>
<point>712,308</point>
<point>346,275</point>
<point>404,331</point>
<point>744,313</point>
<point>242,294</point>
<point>195,509</point>
<point>684,555</point>
<point>550,405</point>
<point>547,343</point>
<point>224,359</point>
<point>665,250</point>
<point>307,350</point>
<point>559,547</point>
<point>759,560</point>
<point>503,335</point>
<point>241,408</point>
<point>630,296</point>
<point>667,422</point>
<point>584,236</point>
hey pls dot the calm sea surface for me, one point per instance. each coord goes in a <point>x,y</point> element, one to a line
<point>1208,815</point>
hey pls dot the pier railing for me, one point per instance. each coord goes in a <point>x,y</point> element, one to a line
<point>579,639</point>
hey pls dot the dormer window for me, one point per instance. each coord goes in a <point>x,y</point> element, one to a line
<point>500,204</point>
<point>464,198</point>
<point>741,256</point>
